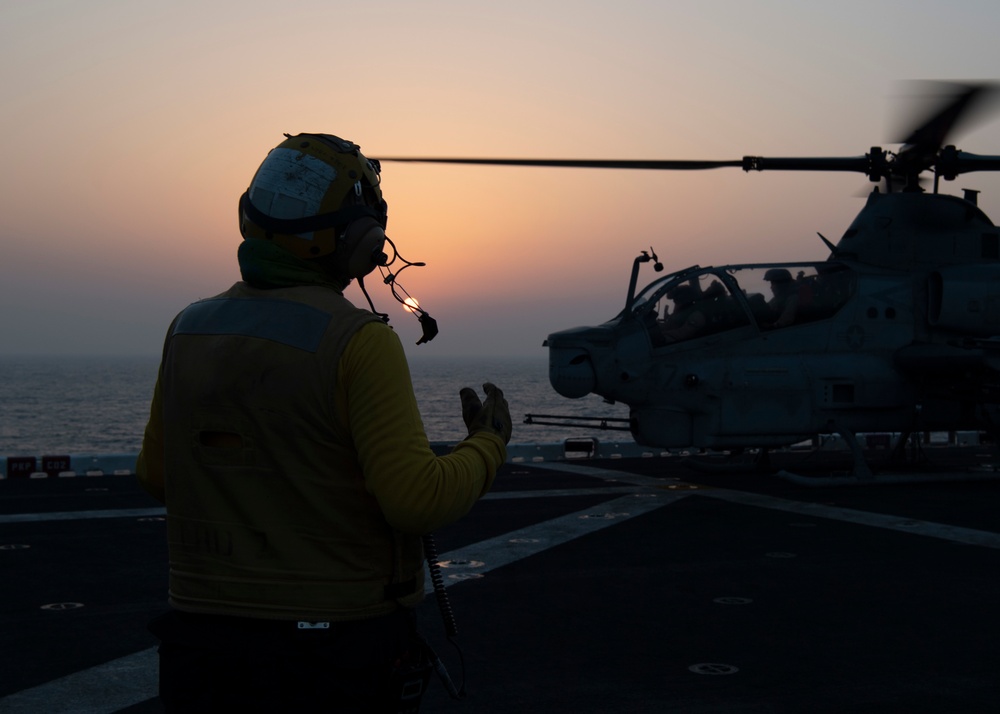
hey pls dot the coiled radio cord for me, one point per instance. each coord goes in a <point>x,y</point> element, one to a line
<point>447,616</point>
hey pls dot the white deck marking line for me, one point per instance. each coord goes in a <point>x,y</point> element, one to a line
<point>162,512</point>
<point>955,534</point>
<point>103,689</point>
<point>82,515</point>
<point>108,687</point>
<point>558,492</point>
<point>486,555</point>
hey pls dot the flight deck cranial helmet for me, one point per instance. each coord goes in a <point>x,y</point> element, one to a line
<point>318,197</point>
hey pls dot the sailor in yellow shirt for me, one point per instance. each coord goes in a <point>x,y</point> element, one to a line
<point>285,440</point>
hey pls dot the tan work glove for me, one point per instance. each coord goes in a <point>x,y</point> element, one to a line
<point>492,415</point>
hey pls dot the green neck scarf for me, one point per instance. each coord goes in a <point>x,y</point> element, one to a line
<point>265,265</point>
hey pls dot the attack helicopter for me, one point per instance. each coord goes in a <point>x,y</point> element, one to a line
<point>897,330</point>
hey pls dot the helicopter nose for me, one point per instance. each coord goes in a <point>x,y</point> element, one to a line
<point>572,356</point>
<point>571,372</point>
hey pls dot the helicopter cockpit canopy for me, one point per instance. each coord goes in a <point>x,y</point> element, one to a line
<point>699,302</point>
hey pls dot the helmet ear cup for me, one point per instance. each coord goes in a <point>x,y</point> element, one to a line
<point>362,244</point>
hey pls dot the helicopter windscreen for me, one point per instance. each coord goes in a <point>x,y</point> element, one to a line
<point>689,304</point>
<point>786,295</point>
<point>700,302</point>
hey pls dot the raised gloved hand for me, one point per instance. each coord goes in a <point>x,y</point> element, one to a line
<point>492,415</point>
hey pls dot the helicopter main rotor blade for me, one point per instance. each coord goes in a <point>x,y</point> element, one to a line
<point>874,164</point>
<point>862,164</point>
<point>580,163</point>
<point>901,170</point>
<point>946,106</point>
<point>951,163</point>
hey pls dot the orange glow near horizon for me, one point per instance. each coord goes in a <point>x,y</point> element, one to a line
<point>129,131</point>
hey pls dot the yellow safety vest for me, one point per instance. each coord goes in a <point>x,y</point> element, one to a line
<point>268,514</point>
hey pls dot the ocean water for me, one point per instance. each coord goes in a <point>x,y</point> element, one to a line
<point>73,405</point>
<point>99,405</point>
<point>525,384</point>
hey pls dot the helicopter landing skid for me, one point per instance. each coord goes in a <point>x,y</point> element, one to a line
<point>862,472</point>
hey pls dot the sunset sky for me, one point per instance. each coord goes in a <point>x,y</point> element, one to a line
<point>129,128</point>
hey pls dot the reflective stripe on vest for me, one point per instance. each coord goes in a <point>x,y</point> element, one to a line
<point>284,321</point>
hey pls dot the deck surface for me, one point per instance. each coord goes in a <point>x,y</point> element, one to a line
<point>626,585</point>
